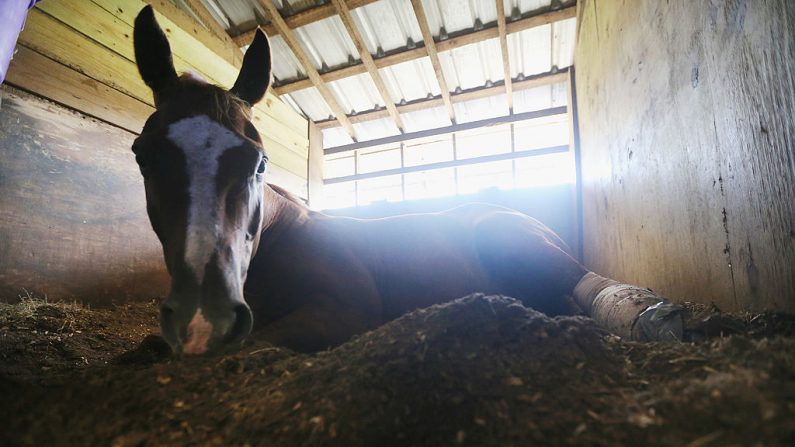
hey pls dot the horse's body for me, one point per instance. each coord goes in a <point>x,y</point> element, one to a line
<point>317,279</point>
<point>239,250</point>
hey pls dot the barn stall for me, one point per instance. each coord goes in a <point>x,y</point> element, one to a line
<point>655,139</point>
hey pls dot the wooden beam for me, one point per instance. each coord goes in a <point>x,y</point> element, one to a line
<point>447,129</point>
<point>58,41</point>
<point>305,17</point>
<point>47,78</point>
<point>506,61</point>
<point>353,70</point>
<point>223,45</point>
<point>95,38</point>
<point>493,32</point>
<point>207,18</point>
<point>99,25</point>
<point>450,164</point>
<point>314,172</point>
<point>430,46</point>
<point>367,61</point>
<point>88,46</point>
<point>574,142</point>
<point>295,46</point>
<point>467,95</point>
<point>420,51</point>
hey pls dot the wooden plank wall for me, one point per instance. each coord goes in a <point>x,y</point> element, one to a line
<point>73,223</point>
<point>79,53</point>
<point>687,125</point>
<point>73,219</point>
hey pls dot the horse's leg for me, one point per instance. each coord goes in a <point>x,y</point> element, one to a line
<point>316,326</point>
<point>524,261</point>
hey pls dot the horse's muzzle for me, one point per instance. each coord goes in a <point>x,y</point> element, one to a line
<point>206,330</point>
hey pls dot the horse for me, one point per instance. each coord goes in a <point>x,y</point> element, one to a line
<point>244,254</point>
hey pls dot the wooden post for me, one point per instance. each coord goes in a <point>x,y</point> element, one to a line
<point>314,174</point>
<point>574,143</point>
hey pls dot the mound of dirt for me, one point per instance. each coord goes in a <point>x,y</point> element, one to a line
<point>40,339</point>
<point>481,370</point>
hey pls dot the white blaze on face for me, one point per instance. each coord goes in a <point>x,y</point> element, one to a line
<point>199,332</point>
<point>202,140</point>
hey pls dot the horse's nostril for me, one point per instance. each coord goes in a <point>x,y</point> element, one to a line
<point>243,323</point>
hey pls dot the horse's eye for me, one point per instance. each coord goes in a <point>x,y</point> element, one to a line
<point>261,167</point>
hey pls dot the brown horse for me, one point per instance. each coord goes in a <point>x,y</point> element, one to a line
<point>237,247</point>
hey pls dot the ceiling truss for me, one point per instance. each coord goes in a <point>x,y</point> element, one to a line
<point>311,71</point>
<point>367,60</point>
<point>430,48</point>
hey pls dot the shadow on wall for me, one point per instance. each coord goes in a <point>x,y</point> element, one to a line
<point>552,205</point>
<point>73,222</point>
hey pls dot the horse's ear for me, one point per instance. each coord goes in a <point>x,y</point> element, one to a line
<point>153,53</point>
<point>255,75</point>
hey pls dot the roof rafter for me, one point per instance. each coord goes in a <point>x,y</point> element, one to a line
<point>430,47</point>
<point>305,17</point>
<point>533,114</point>
<point>468,95</point>
<point>207,18</point>
<point>441,46</point>
<point>314,76</point>
<point>506,61</point>
<point>367,60</point>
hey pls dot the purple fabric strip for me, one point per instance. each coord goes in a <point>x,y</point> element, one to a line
<point>12,19</point>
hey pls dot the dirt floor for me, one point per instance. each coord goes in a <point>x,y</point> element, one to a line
<point>478,371</point>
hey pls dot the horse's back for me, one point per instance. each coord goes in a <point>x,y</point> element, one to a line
<point>421,259</point>
<point>482,214</point>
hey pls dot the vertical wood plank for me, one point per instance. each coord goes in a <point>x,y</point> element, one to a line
<point>687,146</point>
<point>574,144</point>
<point>315,166</point>
<point>73,219</point>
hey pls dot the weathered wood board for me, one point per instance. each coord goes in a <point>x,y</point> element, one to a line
<point>37,73</point>
<point>73,219</point>
<point>687,125</point>
<point>80,54</point>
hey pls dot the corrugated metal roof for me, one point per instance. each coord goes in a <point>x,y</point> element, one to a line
<point>389,25</point>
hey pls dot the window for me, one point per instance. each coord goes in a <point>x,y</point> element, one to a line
<point>428,184</point>
<point>553,169</point>
<point>339,195</point>
<point>340,165</point>
<point>476,177</point>
<point>543,132</point>
<point>522,154</point>
<point>378,189</point>
<point>428,150</point>
<point>483,141</point>
<point>380,158</point>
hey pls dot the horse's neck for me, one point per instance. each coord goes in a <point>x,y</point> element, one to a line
<point>279,213</point>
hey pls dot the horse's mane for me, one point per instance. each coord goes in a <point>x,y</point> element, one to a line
<point>287,195</point>
<point>223,106</point>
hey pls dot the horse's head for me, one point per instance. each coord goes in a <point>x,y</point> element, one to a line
<point>203,165</point>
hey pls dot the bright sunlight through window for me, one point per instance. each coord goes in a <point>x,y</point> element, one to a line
<point>517,155</point>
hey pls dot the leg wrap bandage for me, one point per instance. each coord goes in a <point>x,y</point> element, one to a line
<point>628,311</point>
